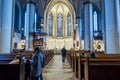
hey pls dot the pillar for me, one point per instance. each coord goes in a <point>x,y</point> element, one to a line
<point>111,45</point>
<point>29,25</point>
<point>6,26</point>
<point>0,15</point>
<point>79,21</point>
<point>88,17</point>
<point>118,21</point>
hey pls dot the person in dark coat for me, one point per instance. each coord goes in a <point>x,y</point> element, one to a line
<point>37,62</point>
<point>63,50</point>
<point>27,70</point>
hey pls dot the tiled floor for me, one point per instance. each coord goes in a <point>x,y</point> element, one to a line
<point>56,70</point>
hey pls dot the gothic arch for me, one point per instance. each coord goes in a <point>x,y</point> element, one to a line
<point>60,37</point>
<point>52,3</point>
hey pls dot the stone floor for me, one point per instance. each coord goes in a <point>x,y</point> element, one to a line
<point>56,70</point>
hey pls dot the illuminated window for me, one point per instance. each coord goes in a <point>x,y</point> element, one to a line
<point>50,24</point>
<point>60,25</point>
<point>25,23</point>
<point>35,17</point>
<point>95,21</point>
<point>69,25</point>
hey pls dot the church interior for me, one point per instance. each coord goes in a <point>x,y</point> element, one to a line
<point>83,27</point>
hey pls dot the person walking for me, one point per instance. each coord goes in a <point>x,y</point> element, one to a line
<point>63,50</point>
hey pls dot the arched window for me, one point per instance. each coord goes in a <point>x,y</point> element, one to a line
<point>95,22</point>
<point>60,25</point>
<point>25,23</point>
<point>35,24</point>
<point>50,24</point>
<point>69,25</point>
<point>35,17</point>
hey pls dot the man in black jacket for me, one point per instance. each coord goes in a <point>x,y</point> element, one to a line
<point>63,50</point>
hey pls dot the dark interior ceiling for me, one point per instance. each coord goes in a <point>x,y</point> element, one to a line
<point>77,5</point>
<point>41,5</point>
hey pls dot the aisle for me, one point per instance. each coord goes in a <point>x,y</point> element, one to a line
<point>56,70</point>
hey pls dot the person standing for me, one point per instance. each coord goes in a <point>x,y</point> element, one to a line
<point>37,62</point>
<point>27,70</point>
<point>63,50</point>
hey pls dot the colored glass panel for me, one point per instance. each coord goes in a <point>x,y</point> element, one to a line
<point>60,25</point>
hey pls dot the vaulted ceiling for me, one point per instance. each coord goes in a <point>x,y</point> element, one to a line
<point>43,3</point>
<point>77,5</point>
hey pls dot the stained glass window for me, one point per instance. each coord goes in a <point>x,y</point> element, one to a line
<point>69,25</point>
<point>60,25</point>
<point>50,24</point>
<point>95,21</point>
<point>95,30</point>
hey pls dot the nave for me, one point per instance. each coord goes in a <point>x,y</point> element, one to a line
<point>56,70</point>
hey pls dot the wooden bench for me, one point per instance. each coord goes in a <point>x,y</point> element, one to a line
<point>104,69</point>
<point>11,72</point>
<point>6,58</point>
<point>82,60</point>
<point>48,55</point>
<point>75,61</point>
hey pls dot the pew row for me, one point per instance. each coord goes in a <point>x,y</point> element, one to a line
<point>104,69</point>
<point>77,62</point>
<point>6,58</point>
<point>97,60</point>
<point>11,72</point>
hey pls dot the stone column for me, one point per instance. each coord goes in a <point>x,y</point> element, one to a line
<point>29,25</point>
<point>6,26</point>
<point>79,21</point>
<point>118,21</point>
<point>0,16</point>
<point>111,44</point>
<point>88,17</point>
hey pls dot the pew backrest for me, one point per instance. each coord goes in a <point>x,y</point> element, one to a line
<point>105,69</point>
<point>9,71</point>
<point>6,58</point>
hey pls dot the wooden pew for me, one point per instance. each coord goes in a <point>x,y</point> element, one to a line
<point>72,57</point>
<point>82,60</point>
<point>49,55</point>
<point>108,55</point>
<point>102,69</point>
<point>6,58</point>
<point>76,63</point>
<point>69,57</point>
<point>9,71</point>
